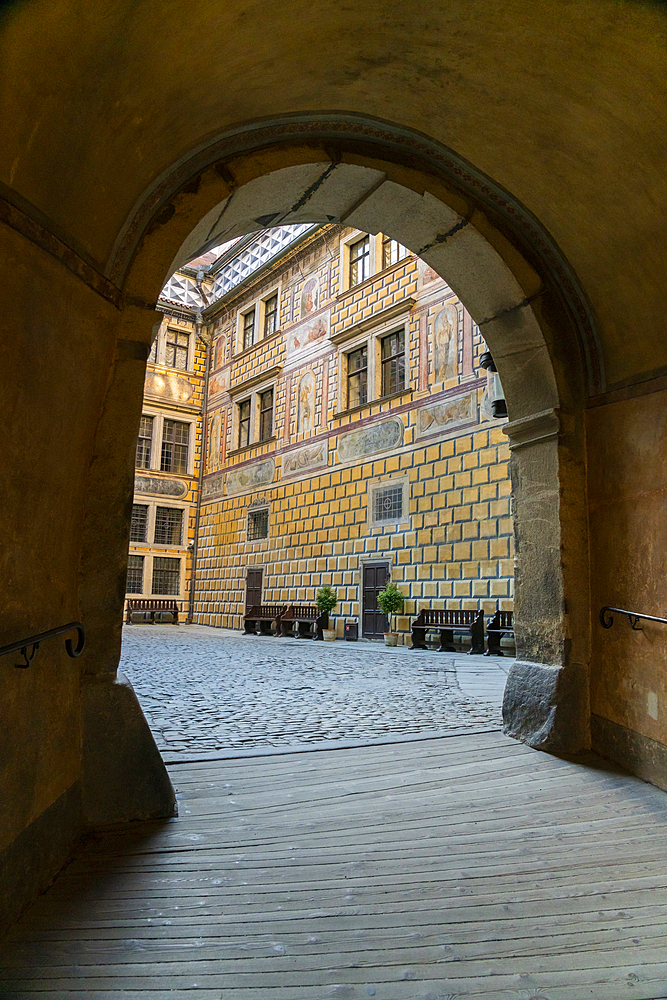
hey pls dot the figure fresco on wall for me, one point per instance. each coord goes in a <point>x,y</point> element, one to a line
<point>426,273</point>
<point>220,351</point>
<point>214,444</point>
<point>306,412</point>
<point>310,297</point>
<point>446,338</point>
<point>309,332</point>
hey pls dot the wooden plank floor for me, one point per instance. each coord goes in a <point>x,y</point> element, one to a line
<point>469,866</point>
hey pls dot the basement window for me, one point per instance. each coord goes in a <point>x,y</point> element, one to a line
<point>258,524</point>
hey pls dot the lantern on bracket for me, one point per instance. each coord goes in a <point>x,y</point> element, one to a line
<point>494,389</point>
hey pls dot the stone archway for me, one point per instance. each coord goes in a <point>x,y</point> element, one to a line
<point>513,281</point>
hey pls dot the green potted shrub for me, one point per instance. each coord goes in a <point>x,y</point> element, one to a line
<point>326,600</point>
<point>390,600</point>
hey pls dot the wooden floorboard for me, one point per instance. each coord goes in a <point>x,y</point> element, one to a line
<point>462,867</point>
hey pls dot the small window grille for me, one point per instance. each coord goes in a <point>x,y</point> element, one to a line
<point>166,575</point>
<point>176,355</point>
<point>388,503</point>
<point>270,315</point>
<point>144,443</point>
<point>168,526</point>
<point>135,575</point>
<point>139,525</point>
<point>258,524</point>
<point>175,439</point>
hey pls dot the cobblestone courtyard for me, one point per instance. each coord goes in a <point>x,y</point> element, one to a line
<point>207,690</point>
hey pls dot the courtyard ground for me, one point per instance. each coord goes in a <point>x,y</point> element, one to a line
<point>206,690</point>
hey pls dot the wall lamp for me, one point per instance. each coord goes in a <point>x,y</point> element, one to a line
<point>494,389</point>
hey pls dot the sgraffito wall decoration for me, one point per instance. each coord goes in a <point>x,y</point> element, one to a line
<point>383,436</point>
<point>306,403</point>
<point>171,387</point>
<point>213,458</point>
<point>304,459</point>
<point>446,344</point>
<point>310,297</point>
<point>249,477</point>
<point>308,333</point>
<point>441,417</point>
<point>160,487</point>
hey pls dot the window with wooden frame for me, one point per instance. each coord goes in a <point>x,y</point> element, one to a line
<point>144,442</point>
<point>266,414</point>
<point>357,377</point>
<point>248,329</point>
<point>168,526</point>
<point>135,575</point>
<point>392,251</point>
<point>392,353</point>
<point>245,413</point>
<point>139,524</point>
<point>177,350</point>
<point>271,315</point>
<point>175,442</point>
<point>360,261</point>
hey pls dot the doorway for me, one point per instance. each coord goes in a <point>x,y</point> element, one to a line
<point>253,588</point>
<point>374,621</point>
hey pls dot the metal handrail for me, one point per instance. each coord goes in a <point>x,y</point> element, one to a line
<point>607,619</point>
<point>34,640</point>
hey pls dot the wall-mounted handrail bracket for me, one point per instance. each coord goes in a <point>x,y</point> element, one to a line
<point>607,618</point>
<point>28,647</point>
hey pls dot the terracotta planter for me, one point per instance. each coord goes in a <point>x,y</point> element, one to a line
<point>391,638</point>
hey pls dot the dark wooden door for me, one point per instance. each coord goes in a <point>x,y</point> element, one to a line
<point>374,622</point>
<point>253,588</point>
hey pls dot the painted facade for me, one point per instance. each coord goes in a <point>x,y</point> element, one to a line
<point>348,440</point>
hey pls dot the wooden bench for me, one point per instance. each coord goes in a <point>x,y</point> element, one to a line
<point>448,622</point>
<point>263,615</point>
<point>153,608</point>
<point>304,616</point>
<point>501,624</point>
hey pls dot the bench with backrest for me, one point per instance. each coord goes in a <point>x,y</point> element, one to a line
<point>304,616</point>
<point>263,615</point>
<point>151,609</point>
<point>501,624</point>
<point>447,622</point>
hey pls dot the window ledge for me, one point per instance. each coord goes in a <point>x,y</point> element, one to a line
<point>372,402</point>
<point>248,447</point>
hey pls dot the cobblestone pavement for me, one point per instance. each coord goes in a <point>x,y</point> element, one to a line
<point>206,690</point>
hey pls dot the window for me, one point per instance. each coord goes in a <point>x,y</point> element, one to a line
<point>244,423</point>
<point>139,525</point>
<point>175,439</point>
<point>393,362</point>
<point>168,526</point>
<point>392,251</point>
<point>388,503</point>
<point>135,575</point>
<point>265,414</point>
<point>360,261</point>
<point>258,524</point>
<point>248,329</point>
<point>166,575</point>
<point>271,315</point>
<point>176,353</point>
<point>357,377</point>
<point>144,441</point>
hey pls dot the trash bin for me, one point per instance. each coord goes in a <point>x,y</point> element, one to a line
<point>351,631</point>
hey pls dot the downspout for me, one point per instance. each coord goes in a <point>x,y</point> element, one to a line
<point>202,456</point>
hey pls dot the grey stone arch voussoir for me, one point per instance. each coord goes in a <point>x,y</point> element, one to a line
<point>515,283</point>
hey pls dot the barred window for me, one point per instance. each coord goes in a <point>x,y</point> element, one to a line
<point>143,460</point>
<point>166,575</point>
<point>135,575</point>
<point>139,525</point>
<point>168,526</point>
<point>357,377</point>
<point>175,439</point>
<point>265,415</point>
<point>248,329</point>
<point>270,315</point>
<point>360,261</point>
<point>393,363</point>
<point>388,503</point>
<point>392,251</point>
<point>258,524</point>
<point>176,355</point>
